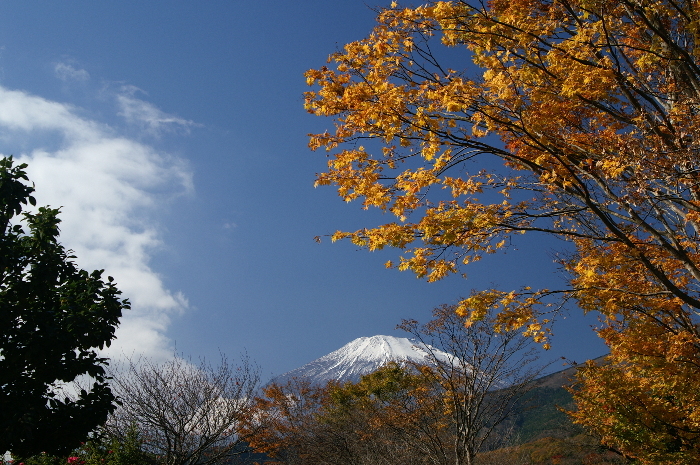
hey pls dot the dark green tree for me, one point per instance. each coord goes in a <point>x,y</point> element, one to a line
<point>53,317</point>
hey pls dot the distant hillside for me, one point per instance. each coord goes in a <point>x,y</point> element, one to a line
<point>541,415</point>
<point>573,450</point>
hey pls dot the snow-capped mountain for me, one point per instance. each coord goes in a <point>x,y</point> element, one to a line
<point>362,356</point>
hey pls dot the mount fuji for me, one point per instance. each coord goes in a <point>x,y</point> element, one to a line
<point>362,356</point>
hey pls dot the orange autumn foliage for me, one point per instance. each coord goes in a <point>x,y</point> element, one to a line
<point>392,415</point>
<point>283,422</point>
<point>592,108</point>
<point>644,398</point>
<point>397,415</point>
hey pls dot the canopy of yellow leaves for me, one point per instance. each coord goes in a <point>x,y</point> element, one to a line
<point>595,105</point>
<point>593,108</point>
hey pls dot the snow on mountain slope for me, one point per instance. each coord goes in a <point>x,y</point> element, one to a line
<point>360,357</point>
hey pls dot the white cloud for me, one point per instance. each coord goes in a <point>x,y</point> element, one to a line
<point>146,115</point>
<point>109,187</point>
<point>66,72</point>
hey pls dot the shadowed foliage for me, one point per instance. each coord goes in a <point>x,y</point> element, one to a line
<point>53,317</point>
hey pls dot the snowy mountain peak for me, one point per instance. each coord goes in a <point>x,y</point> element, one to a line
<point>362,356</point>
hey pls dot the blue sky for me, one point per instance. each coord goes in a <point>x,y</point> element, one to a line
<point>173,135</point>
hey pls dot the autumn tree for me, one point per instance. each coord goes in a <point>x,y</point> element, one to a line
<point>393,415</point>
<point>284,424</point>
<point>590,106</point>
<point>644,399</point>
<point>53,319</point>
<point>484,381</point>
<point>185,413</point>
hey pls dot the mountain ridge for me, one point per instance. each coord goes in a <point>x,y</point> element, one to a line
<point>362,356</point>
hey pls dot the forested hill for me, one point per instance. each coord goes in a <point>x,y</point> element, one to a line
<point>541,415</point>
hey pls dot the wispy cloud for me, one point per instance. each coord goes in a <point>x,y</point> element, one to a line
<point>109,188</point>
<point>66,72</point>
<point>144,114</point>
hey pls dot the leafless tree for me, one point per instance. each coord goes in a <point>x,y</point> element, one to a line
<point>186,413</point>
<point>484,380</point>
